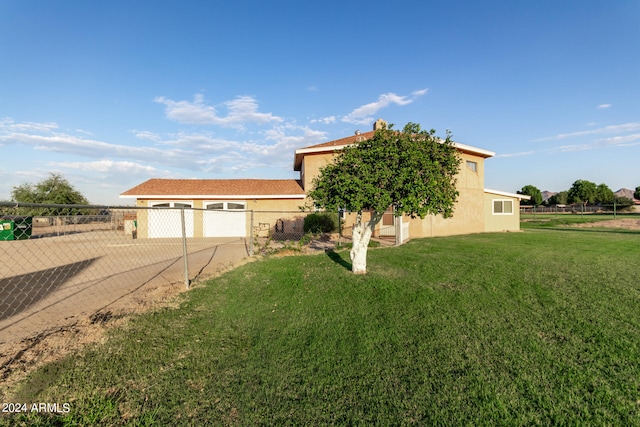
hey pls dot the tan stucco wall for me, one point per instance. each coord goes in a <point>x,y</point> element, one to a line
<point>142,219</point>
<point>502,222</point>
<point>472,212</point>
<point>468,214</point>
<point>269,212</point>
<point>311,165</point>
<point>266,213</point>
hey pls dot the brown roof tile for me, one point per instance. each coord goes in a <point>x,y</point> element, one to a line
<point>345,141</point>
<point>217,187</point>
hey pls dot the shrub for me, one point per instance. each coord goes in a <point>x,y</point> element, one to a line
<point>322,222</point>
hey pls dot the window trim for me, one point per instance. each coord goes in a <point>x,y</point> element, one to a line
<point>502,204</point>
<point>188,204</point>
<point>225,205</point>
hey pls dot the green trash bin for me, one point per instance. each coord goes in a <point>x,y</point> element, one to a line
<point>15,227</point>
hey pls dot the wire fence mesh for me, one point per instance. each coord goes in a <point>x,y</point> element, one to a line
<point>66,267</point>
<point>87,265</point>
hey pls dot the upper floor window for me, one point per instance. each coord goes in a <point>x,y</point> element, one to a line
<point>472,165</point>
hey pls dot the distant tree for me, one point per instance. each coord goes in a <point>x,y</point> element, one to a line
<point>412,171</point>
<point>623,202</point>
<point>561,198</point>
<point>582,191</point>
<point>636,193</point>
<point>534,193</point>
<point>54,189</point>
<point>604,194</point>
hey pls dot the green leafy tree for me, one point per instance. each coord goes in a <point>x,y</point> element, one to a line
<point>561,198</point>
<point>623,202</point>
<point>636,193</point>
<point>582,191</point>
<point>54,189</point>
<point>412,171</point>
<point>534,193</point>
<point>604,194</point>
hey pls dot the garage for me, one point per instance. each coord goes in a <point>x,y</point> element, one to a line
<point>214,207</point>
<point>166,219</point>
<point>225,218</point>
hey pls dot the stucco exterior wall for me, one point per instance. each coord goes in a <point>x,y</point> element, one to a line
<point>311,165</point>
<point>468,214</point>
<point>142,216</point>
<point>267,212</point>
<point>283,213</point>
<point>501,221</point>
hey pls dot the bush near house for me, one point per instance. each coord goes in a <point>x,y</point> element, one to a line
<point>321,222</point>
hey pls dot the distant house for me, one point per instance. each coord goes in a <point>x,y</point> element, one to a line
<point>224,206</point>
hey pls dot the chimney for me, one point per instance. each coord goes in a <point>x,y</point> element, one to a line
<point>379,124</point>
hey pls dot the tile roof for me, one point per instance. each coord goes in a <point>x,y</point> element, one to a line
<point>345,141</point>
<point>327,147</point>
<point>199,188</point>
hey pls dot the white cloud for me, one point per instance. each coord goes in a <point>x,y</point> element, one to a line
<point>9,125</point>
<point>241,110</point>
<point>108,166</point>
<point>617,141</point>
<point>626,127</point>
<point>520,154</point>
<point>324,120</point>
<point>623,141</point>
<point>142,134</point>
<point>603,106</point>
<point>364,114</point>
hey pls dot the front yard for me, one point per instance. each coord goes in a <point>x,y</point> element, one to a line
<point>540,327</point>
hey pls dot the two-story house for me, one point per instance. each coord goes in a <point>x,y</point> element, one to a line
<point>238,207</point>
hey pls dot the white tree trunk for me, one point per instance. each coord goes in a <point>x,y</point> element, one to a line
<point>361,236</point>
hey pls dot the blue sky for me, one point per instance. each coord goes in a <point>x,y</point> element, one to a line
<point>111,93</point>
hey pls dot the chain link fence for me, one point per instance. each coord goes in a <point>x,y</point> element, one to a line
<point>66,268</point>
<point>611,209</point>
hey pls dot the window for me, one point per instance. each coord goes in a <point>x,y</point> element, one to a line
<point>170,204</point>
<point>472,165</point>
<point>220,206</point>
<point>502,207</point>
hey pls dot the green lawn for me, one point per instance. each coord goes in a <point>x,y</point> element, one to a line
<point>534,328</point>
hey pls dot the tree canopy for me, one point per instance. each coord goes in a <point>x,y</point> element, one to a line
<point>582,191</point>
<point>534,193</point>
<point>561,198</point>
<point>604,194</point>
<point>636,193</point>
<point>411,171</point>
<point>54,189</point>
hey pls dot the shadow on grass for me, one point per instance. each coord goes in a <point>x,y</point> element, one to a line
<point>335,257</point>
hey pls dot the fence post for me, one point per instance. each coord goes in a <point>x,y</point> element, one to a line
<point>398,229</point>
<point>184,248</point>
<point>251,235</point>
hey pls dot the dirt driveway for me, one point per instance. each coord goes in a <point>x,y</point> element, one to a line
<point>627,223</point>
<point>58,292</point>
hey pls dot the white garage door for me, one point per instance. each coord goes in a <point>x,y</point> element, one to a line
<point>225,219</point>
<point>168,222</point>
